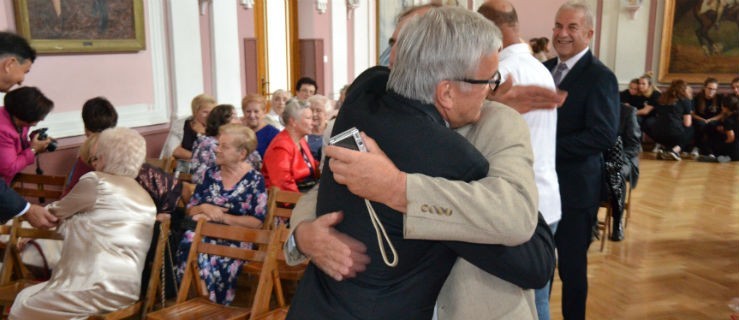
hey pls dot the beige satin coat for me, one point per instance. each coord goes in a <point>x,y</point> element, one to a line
<point>107,225</point>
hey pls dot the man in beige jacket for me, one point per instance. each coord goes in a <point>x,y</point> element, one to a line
<point>507,197</point>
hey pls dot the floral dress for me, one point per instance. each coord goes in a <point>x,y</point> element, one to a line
<point>247,197</point>
<point>203,157</point>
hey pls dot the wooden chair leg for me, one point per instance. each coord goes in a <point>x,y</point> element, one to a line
<point>606,228</point>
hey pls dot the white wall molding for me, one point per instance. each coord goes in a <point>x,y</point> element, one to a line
<point>186,59</point>
<point>225,52</point>
<point>338,57</point>
<point>364,42</point>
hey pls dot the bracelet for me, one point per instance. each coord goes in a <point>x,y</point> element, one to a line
<point>33,150</point>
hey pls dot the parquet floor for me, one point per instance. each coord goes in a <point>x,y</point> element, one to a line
<point>680,258</point>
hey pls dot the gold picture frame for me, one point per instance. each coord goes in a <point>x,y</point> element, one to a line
<point>699,41</point>
<point>81,26</point>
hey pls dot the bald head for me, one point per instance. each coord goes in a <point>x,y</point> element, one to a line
<point>503,14</point>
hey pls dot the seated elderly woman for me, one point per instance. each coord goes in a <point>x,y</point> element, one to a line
<point>288,163</point>
<point>232,193</point>
<point>24,108</point>
<point>203,150</point>
<point>108,221</point>
<point>192,128</point>
<point>253,107</point>
<point>276,107</point>
<point>320,105</point>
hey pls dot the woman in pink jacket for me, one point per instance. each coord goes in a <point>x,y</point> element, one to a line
<point>24,108</point>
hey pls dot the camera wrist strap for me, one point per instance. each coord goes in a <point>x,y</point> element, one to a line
<point>380,229</point>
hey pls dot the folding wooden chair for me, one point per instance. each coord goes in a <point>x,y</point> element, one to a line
<point>15,276</point>
<point>627,205</point>
<point>154,283</point>
<point>280,206</point>
<point>201,307</point>
<point>604,227</point>
<point>43,187</point>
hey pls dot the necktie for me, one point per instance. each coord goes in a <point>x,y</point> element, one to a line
<point>559,72</point>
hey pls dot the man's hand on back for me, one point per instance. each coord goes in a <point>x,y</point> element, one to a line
<point>527,98</point>
<point>338,255</point>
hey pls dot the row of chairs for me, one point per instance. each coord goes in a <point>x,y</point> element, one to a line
<point>266,261</point>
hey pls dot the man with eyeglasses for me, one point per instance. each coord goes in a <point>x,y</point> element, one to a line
<point>508,194</point>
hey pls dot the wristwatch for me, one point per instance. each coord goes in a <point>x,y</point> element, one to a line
<point>292,251</point>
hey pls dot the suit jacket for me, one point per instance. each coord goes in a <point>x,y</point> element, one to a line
<point>283,164</point>
<point>11,203</point>
<point>507,196</point>
<point>587,125</point>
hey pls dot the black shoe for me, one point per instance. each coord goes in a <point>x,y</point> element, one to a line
<point>617,232</point>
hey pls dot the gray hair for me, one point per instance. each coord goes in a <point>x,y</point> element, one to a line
<point>578,5</point>
<point>123,150</point>
<point>280,92</point>
<point>445,43</point>
<point>293,109</point>
<point>320,100</point>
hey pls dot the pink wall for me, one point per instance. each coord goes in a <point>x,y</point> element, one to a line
<point>312,25</point>
<point>69,80</point>
<point>246,30</point>
<point>205,47</point>
<point>536,17</point>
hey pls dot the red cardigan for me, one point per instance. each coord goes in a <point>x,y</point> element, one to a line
<point>283,163</point>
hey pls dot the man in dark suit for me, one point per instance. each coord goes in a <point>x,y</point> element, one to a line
<point>587,125</point>
<point>16,57</point>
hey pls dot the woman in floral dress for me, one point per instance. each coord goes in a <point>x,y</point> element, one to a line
<point>233,193</point>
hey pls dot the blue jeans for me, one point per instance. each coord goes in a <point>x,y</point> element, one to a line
<point>541,296</point>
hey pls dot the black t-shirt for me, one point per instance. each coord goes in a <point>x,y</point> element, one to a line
<point>706,108</point>
<point>188,136</point>
<point>732,124</point>
<point>636,101</point>
<point>670,117</point>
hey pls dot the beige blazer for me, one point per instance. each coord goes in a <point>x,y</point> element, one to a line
<point>499,209</point>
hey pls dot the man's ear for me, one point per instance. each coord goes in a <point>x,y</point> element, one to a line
<point>5,64</point>
<point>445,94</point>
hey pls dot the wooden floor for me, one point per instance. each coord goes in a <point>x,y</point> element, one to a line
<point>680,258</point>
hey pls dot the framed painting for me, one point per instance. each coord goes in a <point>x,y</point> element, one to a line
<point>81,26</point>
<point>700,38</point>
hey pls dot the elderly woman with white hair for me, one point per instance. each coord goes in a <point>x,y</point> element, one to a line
<point>108,220</point>
<point>288,163</point>
<point>320,105</point>
<point>276,107</point>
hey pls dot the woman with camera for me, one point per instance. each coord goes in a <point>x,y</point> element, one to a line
<point>24,107</point>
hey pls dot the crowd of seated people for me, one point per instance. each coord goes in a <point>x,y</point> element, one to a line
<point>253,106</point>
<point>320,106</point>
<point>684,124</point>
<point>203,150</point>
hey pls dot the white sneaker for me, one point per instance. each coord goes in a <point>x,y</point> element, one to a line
<point>657,148</point>
<point>694,154</point>
<point>723,159</point>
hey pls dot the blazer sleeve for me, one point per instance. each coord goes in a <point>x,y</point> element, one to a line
<point>601,119</point>
<point>501,208</point>
<point>11,203</point>
<point>82,197</point>
<point>304,210</point>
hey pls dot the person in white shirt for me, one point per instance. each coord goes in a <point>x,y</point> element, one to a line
<point>519,66</point>
<point>276,106</point>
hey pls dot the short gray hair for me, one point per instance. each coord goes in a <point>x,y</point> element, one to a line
<point>123,150</point>
<point>293,109</point>
<point>320,100</point>
<point>445,43</point>
<point>578,5</point>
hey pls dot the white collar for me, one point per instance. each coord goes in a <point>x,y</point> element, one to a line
<point>572,61</point>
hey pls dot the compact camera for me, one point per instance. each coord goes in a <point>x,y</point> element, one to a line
<point>43,136</point>
<point>349,139</point>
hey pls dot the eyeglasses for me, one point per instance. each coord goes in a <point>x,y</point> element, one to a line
<point>493,82</point>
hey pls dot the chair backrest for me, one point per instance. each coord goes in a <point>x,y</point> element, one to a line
<point>257,237</point>
<point>12,263</point>
<point>280,204</point>
<point>188,189</point>
<point>43,187</point>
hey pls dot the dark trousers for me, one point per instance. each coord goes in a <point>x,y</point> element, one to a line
<point>573,239</point>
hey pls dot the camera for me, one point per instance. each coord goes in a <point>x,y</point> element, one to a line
<point>349,139</point>
<point>43,136</point>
